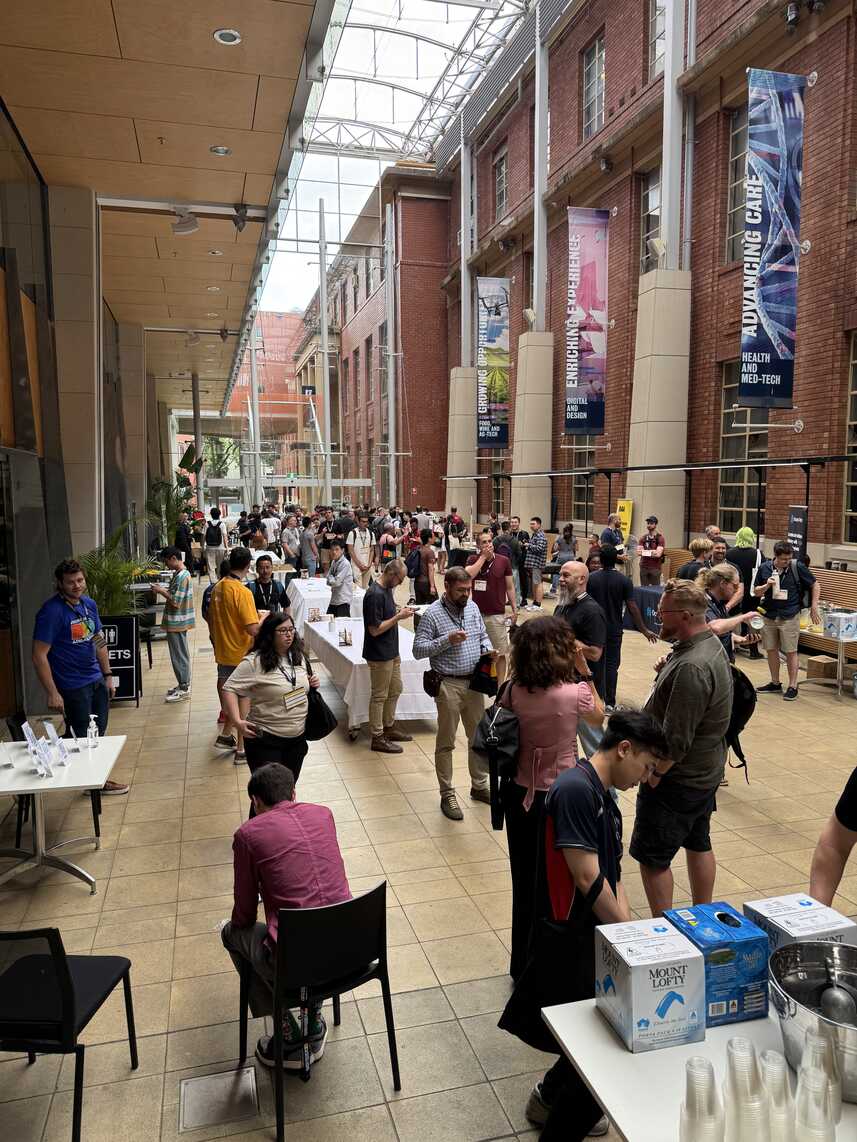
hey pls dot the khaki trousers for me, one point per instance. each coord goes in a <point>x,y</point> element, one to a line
<point>361,578</point>
<point>386,681</point>
<point>457,702</point>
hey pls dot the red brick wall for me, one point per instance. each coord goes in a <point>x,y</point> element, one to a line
<point>362,421</point>
<point>715,21</point>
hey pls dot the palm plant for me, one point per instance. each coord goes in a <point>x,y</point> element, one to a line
<point>109,574</point>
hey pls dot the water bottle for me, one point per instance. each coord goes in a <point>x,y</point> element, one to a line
<point>92,733</point>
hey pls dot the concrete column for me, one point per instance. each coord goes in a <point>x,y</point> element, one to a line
<point>531,449</point>
<point>461,442</point>
<point>73,233</point>
<point>658,432</point>
<point>135,413</point>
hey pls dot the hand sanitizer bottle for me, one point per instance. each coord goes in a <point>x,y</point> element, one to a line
<point>92,733</point>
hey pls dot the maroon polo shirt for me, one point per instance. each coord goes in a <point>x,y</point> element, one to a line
<point>489,586</point>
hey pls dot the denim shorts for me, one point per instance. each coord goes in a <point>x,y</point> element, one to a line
<point>224,672</point>
<point>670,818</point>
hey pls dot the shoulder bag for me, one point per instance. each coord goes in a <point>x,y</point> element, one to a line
<point>320,719</point>
<point>497,738</point>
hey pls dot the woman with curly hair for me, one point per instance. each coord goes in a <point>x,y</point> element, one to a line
<point>266,696</point>
<point>551,690</point>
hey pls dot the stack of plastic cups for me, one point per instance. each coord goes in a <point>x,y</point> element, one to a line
<point>745,1097</point>
<point>814,1119</point>
<point>818,1052</point>
<point>701,1112</point>
<point>775,1075</point>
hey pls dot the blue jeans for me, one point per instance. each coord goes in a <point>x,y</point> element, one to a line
<point>80,703</point>
<point>310,564</point>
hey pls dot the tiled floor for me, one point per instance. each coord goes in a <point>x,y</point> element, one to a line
<point>164,883</point>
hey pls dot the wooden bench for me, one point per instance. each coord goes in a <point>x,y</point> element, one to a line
<point>840,589</point>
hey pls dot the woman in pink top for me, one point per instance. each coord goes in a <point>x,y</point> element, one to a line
<point>550,690</point>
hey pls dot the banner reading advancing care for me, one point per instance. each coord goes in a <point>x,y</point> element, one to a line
<point>586,322</point>
<point>492,363</point>
<point>775,115</point>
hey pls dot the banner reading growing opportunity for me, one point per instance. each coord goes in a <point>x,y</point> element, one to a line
<point>775,114</point>
<point>586,322</point>
<point>492,363</point>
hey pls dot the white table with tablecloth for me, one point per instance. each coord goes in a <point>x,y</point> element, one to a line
<point>303,594</point>
<point>350,673</point>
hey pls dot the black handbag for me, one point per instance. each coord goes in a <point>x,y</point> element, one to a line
<point>320,719</point>
<point>560,968</point>
<point>497,738</point>
<point>432,682</point>
<point>484,677</point>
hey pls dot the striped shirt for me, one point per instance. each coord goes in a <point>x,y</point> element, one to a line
<point>432,637</point>
<point>178,612</point>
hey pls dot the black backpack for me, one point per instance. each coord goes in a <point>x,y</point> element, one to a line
<point>412,563</point>
<point>213,535</point>
<point>743,705</point>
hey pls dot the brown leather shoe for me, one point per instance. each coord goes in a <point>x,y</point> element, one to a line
<point>394,735</point>
<point>381,745</point>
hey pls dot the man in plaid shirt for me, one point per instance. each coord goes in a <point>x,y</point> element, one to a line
<point>452,635</point>
<point>535,560</point>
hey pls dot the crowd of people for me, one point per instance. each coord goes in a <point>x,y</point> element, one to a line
<point>558,673</point>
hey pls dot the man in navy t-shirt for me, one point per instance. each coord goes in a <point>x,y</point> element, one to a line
<point>71,659</point>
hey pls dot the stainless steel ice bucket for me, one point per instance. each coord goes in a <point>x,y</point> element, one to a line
<point>798,976</point>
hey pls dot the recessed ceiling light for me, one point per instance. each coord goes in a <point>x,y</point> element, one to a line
<point>216,253</point>
<point>220,150</point>
<point>212,313</point>
<point>213,289</point>
<point>228,37</point>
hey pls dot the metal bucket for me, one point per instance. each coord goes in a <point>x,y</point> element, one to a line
<point>798,975</point>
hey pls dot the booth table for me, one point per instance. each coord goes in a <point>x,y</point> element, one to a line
<point>86,770</point>
<point>642,1093</point>
<point>306,593</point>
<point>648,600</point>
<point>350,673</point>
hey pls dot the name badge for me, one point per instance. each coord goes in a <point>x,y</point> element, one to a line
<point>293,699</point>
<point>480,584</point>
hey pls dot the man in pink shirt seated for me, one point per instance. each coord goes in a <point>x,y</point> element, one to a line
<point>289,855</point>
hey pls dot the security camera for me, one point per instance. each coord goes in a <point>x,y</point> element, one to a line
<point>792,15</point>
<point>239,220</point>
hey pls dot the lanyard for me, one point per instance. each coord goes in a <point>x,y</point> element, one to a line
<point>292,680</point>
<point>73,608</point>
<point>266,598</point>
<point>459,622</point>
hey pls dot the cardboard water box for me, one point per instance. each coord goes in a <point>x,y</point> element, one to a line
<point>788,919</point>
<point>650,984</point>
<point>736,961</point>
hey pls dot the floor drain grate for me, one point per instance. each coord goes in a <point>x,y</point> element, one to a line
<point>213,1100</point>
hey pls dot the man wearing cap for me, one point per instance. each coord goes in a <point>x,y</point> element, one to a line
<point>651,552</point>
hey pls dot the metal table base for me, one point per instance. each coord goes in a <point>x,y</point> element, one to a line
<point>40,856</point>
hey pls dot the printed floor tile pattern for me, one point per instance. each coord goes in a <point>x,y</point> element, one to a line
<point>164,884</point>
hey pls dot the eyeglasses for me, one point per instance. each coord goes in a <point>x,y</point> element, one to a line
<point>672,611</point>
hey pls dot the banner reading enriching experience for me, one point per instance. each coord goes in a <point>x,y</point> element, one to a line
<point>492,363</point>
<point>775,114</point>
<point>586,322</point>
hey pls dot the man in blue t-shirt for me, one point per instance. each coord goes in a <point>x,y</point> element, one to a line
<point>71,659</point>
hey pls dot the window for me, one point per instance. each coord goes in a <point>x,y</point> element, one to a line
<point>650,218</point>
<point>342,302</point>
<point>737,176</point>
<point>593,88</point>
<point>357,380</point>
<point>739,486</point>
<point>370,369</point>
<point>355,287</point>
<point>849,530</point>
<point>382,359</point>
<point>657,38</point>
<point>529,280</point>
<point>581,454</point>
<point>501,183</point>
<point>345,385</point>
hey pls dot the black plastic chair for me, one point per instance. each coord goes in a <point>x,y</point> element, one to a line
<point>46,1000</point>
<point>25,800</point>
<point>321,953</point>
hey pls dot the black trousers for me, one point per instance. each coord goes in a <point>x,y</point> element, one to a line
<point>573,1109</point>
<point>340,610</point>
<point>612,660</point>
<point>268,748</point>
<point>522,833</point>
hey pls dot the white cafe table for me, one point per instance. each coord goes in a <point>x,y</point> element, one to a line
<point>304,594</point>
<point>642,1093</point>
<point>350,673</point>
<point>88,769</point>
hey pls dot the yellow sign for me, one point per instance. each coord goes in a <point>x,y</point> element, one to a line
<point>625,511</point>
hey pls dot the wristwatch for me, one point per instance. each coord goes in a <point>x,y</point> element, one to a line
<point>586,677</point>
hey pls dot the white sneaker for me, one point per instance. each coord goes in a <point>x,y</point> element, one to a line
<point>178,694</point>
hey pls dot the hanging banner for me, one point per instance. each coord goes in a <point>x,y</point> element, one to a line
<point>625,512</point>
<point>586,322</point>
<point>796,531</point>
<point>775,116</point>
<point>492,363</point>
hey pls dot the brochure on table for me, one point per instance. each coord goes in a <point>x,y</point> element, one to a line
<point>48,752</point>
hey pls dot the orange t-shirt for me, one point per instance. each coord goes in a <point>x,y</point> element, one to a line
<point>231,611</point>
